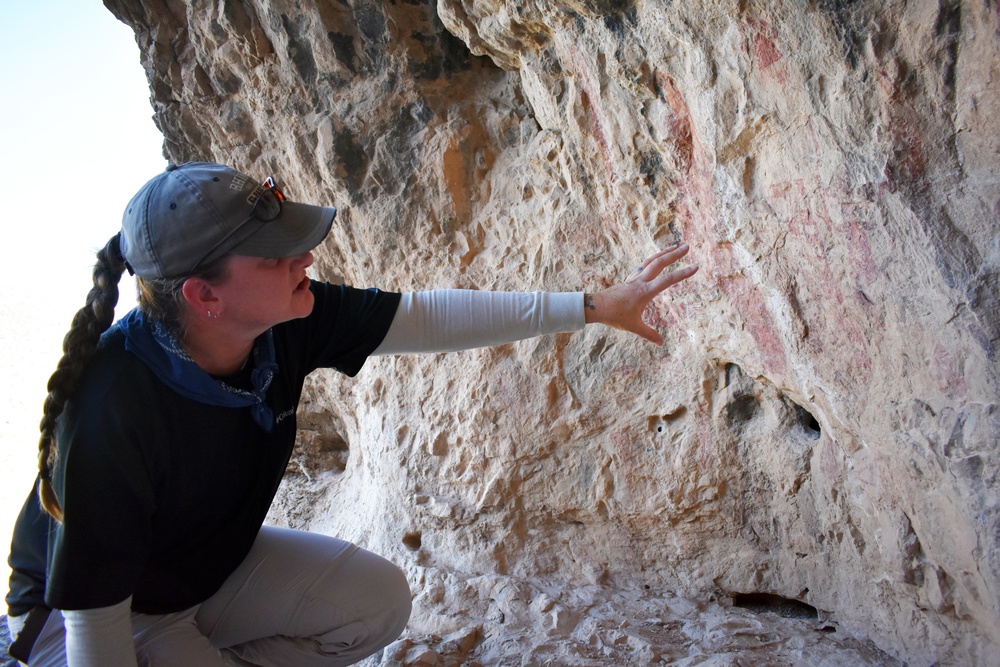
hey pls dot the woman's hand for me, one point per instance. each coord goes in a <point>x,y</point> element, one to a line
<point>622,306</point>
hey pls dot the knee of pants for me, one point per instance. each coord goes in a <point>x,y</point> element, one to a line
<point>394,593</point>
<point>379,620</point>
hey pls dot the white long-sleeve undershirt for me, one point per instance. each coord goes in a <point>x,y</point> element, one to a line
<point>453,319</point>
<point>100,637</point>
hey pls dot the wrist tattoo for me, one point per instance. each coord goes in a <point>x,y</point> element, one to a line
<point>588,302</point>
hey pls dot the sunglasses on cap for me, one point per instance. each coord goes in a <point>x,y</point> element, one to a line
<point>265,202</point>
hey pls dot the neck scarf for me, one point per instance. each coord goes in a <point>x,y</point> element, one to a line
<point>162,353</point>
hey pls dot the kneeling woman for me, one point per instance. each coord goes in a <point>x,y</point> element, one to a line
<point>165,436</point>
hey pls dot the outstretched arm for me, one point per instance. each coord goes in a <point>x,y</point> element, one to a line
<point>621,306</point>
<point>448,320</point>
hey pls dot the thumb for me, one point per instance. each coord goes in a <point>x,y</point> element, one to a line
<point>647,332</point>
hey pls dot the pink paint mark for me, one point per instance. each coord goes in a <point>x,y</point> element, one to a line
<point>948,372</point>
<point>873,471</point>
<point>625,371</point>
<point>698,222</point>
<point>679,123</point>
<point>696,217</point>
<point>757,318</point>
<point>810,220</point>
<point>666,314</point>
<point>888,185</point>
<point>862,258</point>
<point>655,318</point>
<point>597,280</point>
<point>829,462</point>
<point>597,124</point>
<point>762,36</point>
<point>706,446</point>
<point>694,210</point>
<point>867,471</point>
<point>910,161</point>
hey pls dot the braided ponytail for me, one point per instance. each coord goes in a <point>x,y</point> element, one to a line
<point>79,347</point>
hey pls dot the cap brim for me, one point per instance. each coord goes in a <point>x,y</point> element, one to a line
<point>299,229</point>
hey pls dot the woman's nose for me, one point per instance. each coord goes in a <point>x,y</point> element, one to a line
<point>303,261</point>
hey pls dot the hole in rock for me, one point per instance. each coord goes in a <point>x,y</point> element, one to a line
<point>412,540</point>
<point>742,409</point>
<point>676,414</point>
<point>733,373</point>
<point>809,424</point>
<point>775,604</point>
<point>319,451</point>
<point>659,423</point>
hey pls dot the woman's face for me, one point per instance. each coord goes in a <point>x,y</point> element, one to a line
<point>261,292</point>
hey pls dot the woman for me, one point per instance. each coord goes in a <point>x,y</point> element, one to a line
<point>164,437</point>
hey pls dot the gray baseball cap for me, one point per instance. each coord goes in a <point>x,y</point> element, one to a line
<point>196,212</point>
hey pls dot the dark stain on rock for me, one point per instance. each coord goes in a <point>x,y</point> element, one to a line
<point>651,166</point>
<point>352,157</point>
<point>343,48</point>
<point>370,21</point>
<point>852,23</point>
<point>299,49</point>
<point>948,30</point>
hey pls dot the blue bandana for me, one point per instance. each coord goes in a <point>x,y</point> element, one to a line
<point>162,352</point>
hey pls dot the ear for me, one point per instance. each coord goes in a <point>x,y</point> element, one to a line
<point>200,296</point>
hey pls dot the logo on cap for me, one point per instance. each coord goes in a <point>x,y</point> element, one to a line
<point>256,193</point>
<point>239,180</point>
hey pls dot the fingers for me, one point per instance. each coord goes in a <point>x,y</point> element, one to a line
<point>661,260</point>
<point>652,269</point>
<point>651,278</point>
<point>665,280</point>
<point>640,271</point>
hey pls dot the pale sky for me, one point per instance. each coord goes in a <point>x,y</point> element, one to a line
<point>77,141</point>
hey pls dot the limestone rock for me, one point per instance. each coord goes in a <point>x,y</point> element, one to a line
<point>821,425</point>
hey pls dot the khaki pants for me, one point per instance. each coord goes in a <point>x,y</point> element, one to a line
<point>298,599</point>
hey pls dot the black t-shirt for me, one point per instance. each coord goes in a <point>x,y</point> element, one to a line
<point>162,495</point>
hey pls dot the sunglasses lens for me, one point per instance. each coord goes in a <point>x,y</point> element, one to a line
<point>268,207</point>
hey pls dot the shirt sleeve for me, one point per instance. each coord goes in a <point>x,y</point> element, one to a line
<point>449,320</point>
<point>345,327</point>
<point>100,637</point>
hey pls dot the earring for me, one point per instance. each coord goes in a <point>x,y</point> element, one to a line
<point>209,313</point>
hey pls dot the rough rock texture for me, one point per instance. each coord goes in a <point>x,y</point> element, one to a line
<point>822,424</point>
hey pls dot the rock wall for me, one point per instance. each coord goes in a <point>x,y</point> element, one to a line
<point>822,424</point>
